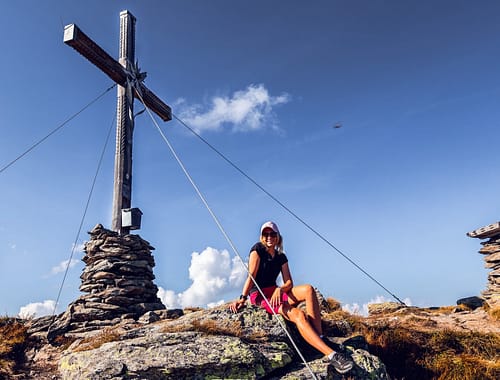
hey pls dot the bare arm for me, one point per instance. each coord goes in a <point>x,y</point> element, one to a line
<point>287,278</point>
<point>253,267</point>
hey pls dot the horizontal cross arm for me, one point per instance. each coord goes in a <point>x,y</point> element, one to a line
<point>74,37</point>
<point>154,103</point>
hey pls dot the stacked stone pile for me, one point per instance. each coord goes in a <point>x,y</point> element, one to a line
<point>491,252</point>
<point>118,279</point>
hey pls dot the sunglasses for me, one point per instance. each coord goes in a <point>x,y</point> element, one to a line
<point>269,234</point>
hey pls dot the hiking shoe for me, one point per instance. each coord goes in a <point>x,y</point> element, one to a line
<point>340,362</point>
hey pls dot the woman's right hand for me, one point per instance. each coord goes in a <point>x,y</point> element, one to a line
<point>275,299</point>
<point>236,305</point>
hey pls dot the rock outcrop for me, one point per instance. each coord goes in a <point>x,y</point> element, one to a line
<point>491,252</point>
<point>212,343</point>
<point>118,282</point>
<point>215,343</point>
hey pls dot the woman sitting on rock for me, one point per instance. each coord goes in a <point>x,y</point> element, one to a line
<point>266,262</point>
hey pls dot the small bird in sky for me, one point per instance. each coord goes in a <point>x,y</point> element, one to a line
<point>337,125</point>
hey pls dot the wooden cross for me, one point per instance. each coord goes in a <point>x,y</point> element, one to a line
<point>127,75</point>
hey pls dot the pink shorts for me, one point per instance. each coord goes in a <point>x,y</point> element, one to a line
<point>256,299</point>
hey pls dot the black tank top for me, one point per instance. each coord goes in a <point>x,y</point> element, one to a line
<point>269,267</point>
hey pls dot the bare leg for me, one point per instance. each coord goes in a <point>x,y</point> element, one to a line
<point>307,293</point>
<point>307,331</point>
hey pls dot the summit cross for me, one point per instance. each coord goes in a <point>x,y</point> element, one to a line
<point>127,75</point>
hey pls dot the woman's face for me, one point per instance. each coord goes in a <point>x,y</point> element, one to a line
<point>269,238</point>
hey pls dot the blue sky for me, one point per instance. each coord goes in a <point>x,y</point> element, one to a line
<point>413,168</point>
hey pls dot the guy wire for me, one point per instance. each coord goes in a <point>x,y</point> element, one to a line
<point>55,130</point>
<point>82,220</point>
<point>288,209</point>
<point>221,228</point>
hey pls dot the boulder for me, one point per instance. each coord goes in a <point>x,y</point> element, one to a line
<point>471,302</point>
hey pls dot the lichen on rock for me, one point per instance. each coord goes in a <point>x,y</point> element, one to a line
<point>206,344</point>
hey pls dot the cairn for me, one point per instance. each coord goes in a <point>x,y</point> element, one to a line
<point>491,252</point>
<point>118,279</point>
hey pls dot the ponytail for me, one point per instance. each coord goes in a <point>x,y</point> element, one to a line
<point>279,246</point>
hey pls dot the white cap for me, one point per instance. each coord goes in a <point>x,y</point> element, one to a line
<point>270,225</point>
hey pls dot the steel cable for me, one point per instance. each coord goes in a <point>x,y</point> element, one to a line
<point>55,130</point>
<point>89,197</point>
<point>222,230</point>
<point>287,209</point>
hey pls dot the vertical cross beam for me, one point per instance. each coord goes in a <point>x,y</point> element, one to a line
<point>122,192</point>
<point>126,74</point>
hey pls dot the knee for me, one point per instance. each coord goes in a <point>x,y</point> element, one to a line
<point>309,290</point>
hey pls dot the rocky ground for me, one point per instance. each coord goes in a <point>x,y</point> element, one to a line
<point>217,344</point>
<point>202,344</point>
<point>455,318</point>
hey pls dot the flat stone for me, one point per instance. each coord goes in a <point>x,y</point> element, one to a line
<point>492,265</point>
<point>490,248</point>
<point>88,288</point>
<point>493,258</point>
<point>170,313</point>
<point>91,314</point>
<point>121,300</point>
<point>383,308</point>
<point>489,231</point>
<point>149,317</point>
<point>104,306</point>
<point>114,249</point>
<point>494,273</point>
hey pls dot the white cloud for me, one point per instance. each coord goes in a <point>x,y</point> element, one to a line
<point>238,273</point>
<point>61,267</point>
<point>37,309</point>
<point>247,110</point>
<point>355,308</point>
<point>214,304</point>
<point>213,274</point>
<point>169,298</point>
<point>352,308</point>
